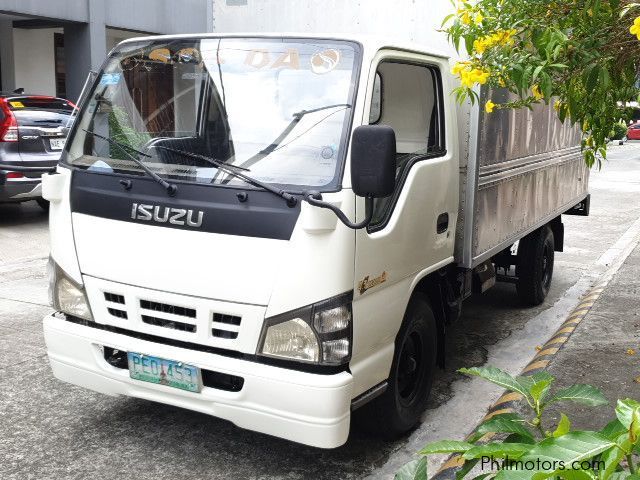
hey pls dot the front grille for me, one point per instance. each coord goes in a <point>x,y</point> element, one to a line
<point>165,308</point>
<point>179,317</point>
<point>114,298</point>
<point>221,327</point>
<point>118,313</point>
<point>223,333</point>
<point>228,319</point>
<point>163,322</point>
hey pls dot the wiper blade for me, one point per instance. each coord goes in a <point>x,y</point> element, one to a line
<point>297,117</point>
<point>169,187</point>
<point>197,156</point>
<point>232,170</point>
<point>302,113</point>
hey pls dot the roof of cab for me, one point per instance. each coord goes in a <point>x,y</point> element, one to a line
<point>370,42</point>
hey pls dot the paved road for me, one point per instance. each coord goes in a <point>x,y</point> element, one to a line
<point>53,430</point>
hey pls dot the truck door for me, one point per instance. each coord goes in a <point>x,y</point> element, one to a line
<point>413,230</point>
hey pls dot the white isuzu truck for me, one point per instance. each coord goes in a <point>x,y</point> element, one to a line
<point>278,230</point>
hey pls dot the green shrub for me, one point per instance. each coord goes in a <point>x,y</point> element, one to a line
<point>619,131</point>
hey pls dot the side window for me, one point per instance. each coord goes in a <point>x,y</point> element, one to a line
<point>376,101</point>
<point>408,98</point>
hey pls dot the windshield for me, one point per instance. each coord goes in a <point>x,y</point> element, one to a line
<point>277,108</point>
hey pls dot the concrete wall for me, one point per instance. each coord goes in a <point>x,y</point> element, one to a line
<point>35,60</point>
<point>160,16</point>
<point>72,10</point>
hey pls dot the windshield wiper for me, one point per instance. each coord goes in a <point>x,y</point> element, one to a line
<point>197,156</point>
<point>169,187</point>
<point>297,117</point>
<point>232,170</point>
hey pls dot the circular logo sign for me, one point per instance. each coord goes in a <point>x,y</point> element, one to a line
<point>325,61</point>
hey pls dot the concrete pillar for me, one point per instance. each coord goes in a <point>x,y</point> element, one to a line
<point>85,47</point>
<point>7,60</point>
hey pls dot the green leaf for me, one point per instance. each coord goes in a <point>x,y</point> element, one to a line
<point>466,468</point>
<point>624,411</point>
<point>498,377</point>
<point>446,19</point>
<point>614,456</point>
<point>536,72</point>
<point>505,423</point>
<point>563,426</point>
<point>634,428</point>
<point>592,78</point>
<point>446,446</point>
<point>416,470</point>
<point>613,429</point>
<point>604,79</point>
<point>569,448</point>
<point>575,474</point>
<point>498,450</point>
<point>583,394</point>
<point>539,390</point>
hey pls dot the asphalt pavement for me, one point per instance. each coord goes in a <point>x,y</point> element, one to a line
<point>53,430</point>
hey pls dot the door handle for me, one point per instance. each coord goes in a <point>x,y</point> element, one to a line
<point>443,223</point>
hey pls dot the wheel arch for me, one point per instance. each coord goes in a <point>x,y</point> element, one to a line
<point>431,286</point>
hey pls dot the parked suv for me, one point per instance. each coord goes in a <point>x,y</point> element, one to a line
<point>33,130</point>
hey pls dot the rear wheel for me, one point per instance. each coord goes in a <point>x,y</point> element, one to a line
<point>400,408</point>
<point>44,204</point>
<point>535,266</point>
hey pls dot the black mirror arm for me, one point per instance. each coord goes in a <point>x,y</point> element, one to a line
<point>315,199</point>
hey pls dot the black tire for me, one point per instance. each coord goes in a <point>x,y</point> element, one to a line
<point>535,266</point>
<point>44,204</point>
<point>400,407</point>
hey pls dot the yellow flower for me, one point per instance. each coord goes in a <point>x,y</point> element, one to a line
<point>635,28</point>
<point>537,93</point>
<point>481,76</point>
<point>465,17</point>
<point>480,46</point>
<point>501,82</point>
<point>489,107</point>
<point>557,106</point>
<point>478,18</point>
<point>467,79</point>
<point>458,68</point>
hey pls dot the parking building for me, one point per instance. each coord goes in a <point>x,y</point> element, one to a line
<point>48,47</point>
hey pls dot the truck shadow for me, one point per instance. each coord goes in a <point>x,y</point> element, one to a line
<point>27,213</point>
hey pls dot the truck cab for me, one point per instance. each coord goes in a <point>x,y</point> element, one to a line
<point>264,229</point>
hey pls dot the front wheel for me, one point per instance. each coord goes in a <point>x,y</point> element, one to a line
<point>534,267</point>
<point>400,408</point>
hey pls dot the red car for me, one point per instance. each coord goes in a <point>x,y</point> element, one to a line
<point>633,133</point>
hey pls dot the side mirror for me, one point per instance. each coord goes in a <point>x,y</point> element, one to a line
<point>373,161</point>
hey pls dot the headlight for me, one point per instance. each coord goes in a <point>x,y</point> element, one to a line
<point>66,295</point>
<point>319,334</point>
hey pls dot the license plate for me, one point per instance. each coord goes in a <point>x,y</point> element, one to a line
<point>164,372</point>
<point>57,143</point>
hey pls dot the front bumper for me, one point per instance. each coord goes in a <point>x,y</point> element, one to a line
<point>303,407</point>
<point>20,190</point>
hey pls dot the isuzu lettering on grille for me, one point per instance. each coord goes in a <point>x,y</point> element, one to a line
<point>174,216</point>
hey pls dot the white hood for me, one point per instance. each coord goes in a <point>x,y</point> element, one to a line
<point>223,267</point>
